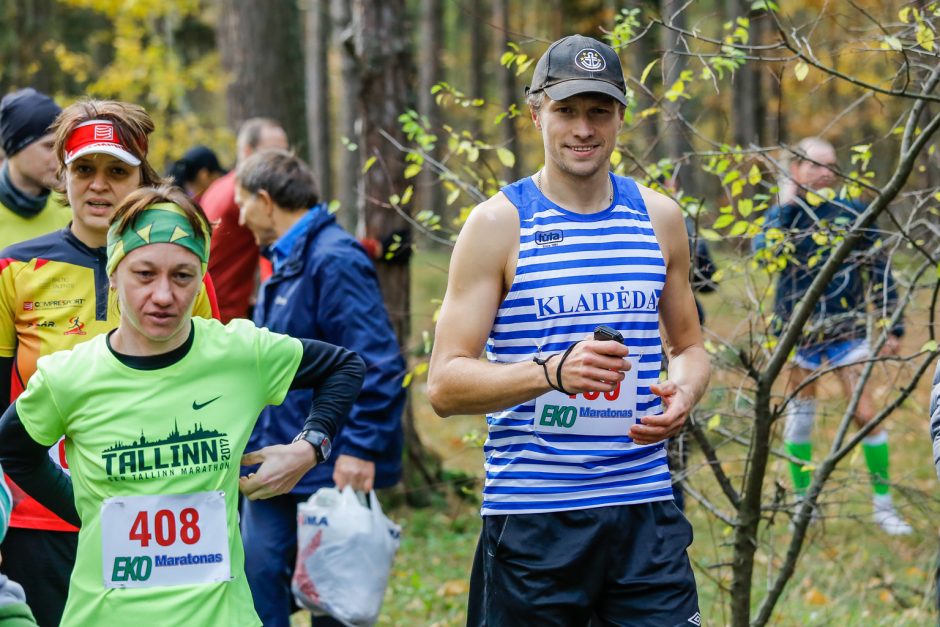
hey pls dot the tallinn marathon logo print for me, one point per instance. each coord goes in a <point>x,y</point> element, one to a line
<point>178,454</point>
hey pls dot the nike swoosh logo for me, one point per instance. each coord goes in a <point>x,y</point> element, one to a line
<point>201,405</point>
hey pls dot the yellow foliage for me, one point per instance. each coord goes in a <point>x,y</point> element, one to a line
<point>148,69</point>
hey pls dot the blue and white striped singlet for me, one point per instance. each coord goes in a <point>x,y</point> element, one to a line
<point>575,272</point>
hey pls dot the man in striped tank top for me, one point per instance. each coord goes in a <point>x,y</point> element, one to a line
<point>579,523</point>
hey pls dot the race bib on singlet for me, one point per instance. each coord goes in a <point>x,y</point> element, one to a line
<point>590,413</point>
<point>164,540</point>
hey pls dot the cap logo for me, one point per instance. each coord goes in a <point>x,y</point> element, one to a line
<point>104,132</point>
<point>590,60</point>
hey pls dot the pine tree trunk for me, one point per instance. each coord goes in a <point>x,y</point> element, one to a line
<point>319,120</point>
<point>508,93</point>
<point>747,101</point>
<point>385,73</point>
<point>670,123</point>
<point>479,13</point>
<point>430,48</point>
<point>260,46</point>
<point>351,213</point>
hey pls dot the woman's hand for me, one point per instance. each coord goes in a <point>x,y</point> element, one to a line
<point>282,466</point>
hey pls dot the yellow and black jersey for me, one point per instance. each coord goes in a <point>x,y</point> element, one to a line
<point>54,294</point>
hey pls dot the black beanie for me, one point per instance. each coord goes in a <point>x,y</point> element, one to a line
<point>25,116</point>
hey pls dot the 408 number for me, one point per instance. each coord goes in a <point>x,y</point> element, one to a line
<point>164,527</point>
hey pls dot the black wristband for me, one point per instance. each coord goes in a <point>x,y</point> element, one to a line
<point>543,363</point>
<point>561,362</point>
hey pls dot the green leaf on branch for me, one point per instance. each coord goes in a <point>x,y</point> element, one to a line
<point>925,36</point>
<point>412,171</point>
<point>766,5</point>
<point>710,235</point>
<point>723,221</point>
<point>929,346</point>
<point>738,229</point>
<point>892,43</point>
<point>647,70</point>
<point>407,194</point>
<point>368,164</point>
<point>754,175</point>
<point>714,422</point>
<point>506,157</point>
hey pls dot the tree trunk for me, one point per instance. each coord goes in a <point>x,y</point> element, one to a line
<point>639,55</point>
<point>508,94</point>
<point>771,131</point>
<point>479,12</point>
<point>386,72</point>
<point>319,120</point>
<point>746,92</point>
<point>351,213</point>
<point>430,49</point>
<point>671,128</point>
<point>259,43</point>
<point>29,25</point>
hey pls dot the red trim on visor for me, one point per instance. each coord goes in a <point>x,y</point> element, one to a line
<point>97,133</point>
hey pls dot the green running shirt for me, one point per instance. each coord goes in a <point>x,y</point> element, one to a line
<point>154,456</point>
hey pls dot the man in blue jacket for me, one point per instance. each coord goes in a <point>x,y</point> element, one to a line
<point>802,233</point>
<point>323,287</point>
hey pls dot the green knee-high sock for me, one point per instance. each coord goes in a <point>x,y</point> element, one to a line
<point>801,476</point>
<point>876,458</point>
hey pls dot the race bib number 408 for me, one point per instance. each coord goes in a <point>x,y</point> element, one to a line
<point>164,540</point>
<point>591,413</point>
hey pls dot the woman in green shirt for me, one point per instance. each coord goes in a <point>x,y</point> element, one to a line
<point>156,416</point>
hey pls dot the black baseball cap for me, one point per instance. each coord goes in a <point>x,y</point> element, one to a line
<point>576,65</point>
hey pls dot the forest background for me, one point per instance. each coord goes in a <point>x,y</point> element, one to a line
<point>411,112</point>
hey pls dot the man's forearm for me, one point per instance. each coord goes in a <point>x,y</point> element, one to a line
<point>472,386</point>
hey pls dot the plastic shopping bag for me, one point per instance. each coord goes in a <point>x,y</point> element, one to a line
<point>345,552</point>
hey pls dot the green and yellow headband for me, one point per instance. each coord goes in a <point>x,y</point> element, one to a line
<point>161,223</point>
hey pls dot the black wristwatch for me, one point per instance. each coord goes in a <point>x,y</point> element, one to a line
<point>319,441</point>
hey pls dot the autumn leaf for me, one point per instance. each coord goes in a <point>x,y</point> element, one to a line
<point>801,70</point>
<point>925,36</point>
<point>815,597</point>
<point>453,588</point>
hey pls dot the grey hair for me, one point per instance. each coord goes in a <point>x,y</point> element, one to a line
<point>249,134</point>
<point>284,176</point>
